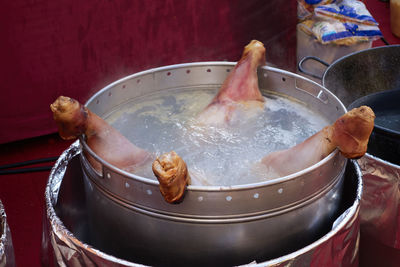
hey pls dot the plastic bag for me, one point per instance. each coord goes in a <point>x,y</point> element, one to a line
<point>352,11</point>
<point>305,8</point>
<point>344,33</point>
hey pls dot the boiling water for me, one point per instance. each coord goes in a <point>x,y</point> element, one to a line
<point>225,155</point>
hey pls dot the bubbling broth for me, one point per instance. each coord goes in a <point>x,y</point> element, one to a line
<point>222,156</point>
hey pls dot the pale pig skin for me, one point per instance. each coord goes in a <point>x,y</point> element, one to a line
<point>239,92</point>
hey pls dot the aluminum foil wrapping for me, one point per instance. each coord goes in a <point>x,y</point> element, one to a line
<point>60,247</point>
<point>339,247</point>
<point>380,204</point>
<point>6,247</point>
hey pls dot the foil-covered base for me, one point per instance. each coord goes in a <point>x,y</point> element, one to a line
<point>65,206</point>
<point>339,247</point>
<point>60,247</point>
<point>380,204</point>
<point>7,258</point>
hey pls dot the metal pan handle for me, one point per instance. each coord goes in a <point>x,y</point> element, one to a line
<point>304,59</point>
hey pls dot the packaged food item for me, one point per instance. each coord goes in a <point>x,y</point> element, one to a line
<point>306,26</point>
<point>331,31</point>
<point>305,8</point>
<point>344,33</point>
<point>352,11</point>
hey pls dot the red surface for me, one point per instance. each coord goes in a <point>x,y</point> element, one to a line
<point>77,47</point>
<point>373,253</point>
<point>23,194</point>
<point>381,13</point>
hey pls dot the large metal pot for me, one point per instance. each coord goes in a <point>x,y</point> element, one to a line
<point>67,240</point>
<point>360,73</point>
<point>216,225</point>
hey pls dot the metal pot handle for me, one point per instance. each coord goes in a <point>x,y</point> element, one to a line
<point>304,59</point>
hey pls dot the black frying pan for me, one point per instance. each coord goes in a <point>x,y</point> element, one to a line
<point>385,138</point>
<point>360,73</point>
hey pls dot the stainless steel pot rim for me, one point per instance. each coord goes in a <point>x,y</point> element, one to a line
<point>350,55</point>
<point>207,188</point>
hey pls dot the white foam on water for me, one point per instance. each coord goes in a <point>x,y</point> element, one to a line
<point>227,155</point>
